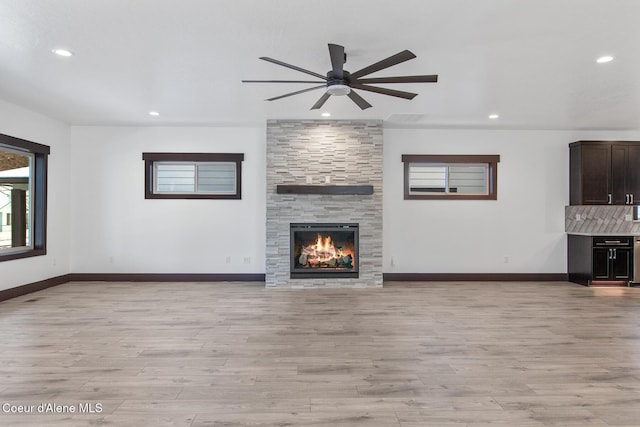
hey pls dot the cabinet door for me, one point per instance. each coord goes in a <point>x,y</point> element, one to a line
<point>633,172</point>
<point>601,263</point>
<point>619,167</point>
<point>621,264</point>
<point>596,174</point>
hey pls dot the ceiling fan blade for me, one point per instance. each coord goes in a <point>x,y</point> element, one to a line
<point>359,100</point>
<point>296,92</point>
<point>336,52</point>
<point>405,55</point>
<point>321,101</point>
<point>293,67</point>
<point>401,79</point>
<point>385,91</point>
<point>282,81</point>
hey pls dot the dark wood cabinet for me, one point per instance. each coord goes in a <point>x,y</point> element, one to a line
<point>601,266</point>
<point>632,168</point>
<point>599,258</point>
<point>621,264</point>
<point>604,172</point>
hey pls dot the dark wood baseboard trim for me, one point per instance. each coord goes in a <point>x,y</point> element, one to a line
<point>162,277</point>
<point>33,287</point>
<point>475,277</point>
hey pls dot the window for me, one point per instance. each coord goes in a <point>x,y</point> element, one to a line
<point>466,177</point>
<point>23,198</point>
<point>193,175</point>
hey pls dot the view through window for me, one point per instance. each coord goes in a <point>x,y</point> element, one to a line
<point>15,199</point>
<point>23,193</point>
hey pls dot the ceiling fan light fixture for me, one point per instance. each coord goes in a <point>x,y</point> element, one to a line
<point>338,90</point>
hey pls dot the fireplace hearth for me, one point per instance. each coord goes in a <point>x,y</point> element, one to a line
<point>324,250</point>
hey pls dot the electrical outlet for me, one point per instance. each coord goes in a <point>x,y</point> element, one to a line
<point>506,260</point>
<point>578,217</point>
<point>628,217</point>
<point>228,260</point>
<point>393,262</point>
<point>247,260</point>
<point>327,179</point>
<point>309,180</point>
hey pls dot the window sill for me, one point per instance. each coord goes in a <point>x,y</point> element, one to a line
<point>22,254</point>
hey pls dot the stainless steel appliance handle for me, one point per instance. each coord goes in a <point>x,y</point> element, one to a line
<point>609,198</point>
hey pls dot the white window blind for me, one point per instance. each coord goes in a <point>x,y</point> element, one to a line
<point>195,177</point>
<point>448,178</point>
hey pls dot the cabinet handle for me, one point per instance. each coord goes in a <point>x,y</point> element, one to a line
<point>608,198</point>
<point>626,199</point>
<point>631,198</point>
<point>615,253</point>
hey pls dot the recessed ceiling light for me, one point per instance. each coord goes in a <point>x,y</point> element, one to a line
<point>326,114</point>
<point>604,59</point>
<point>493,116</point>
<point>154,113</point>
<point>62,52</point>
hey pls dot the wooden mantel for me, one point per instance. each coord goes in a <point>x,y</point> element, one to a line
<point>341,190</point>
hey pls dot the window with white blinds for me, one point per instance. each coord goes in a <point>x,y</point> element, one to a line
<point>461,179</point>
<point>450,176</point>
<point>203,178</point>
<point>193,175</point>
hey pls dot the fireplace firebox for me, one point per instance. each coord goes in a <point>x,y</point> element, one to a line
<point>324,250</point>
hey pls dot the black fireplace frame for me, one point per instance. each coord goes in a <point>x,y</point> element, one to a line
<point>305,273</point>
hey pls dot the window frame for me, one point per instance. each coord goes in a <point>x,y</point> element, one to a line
<point>151,158</point>
<point>490,160</point>
<point>38,200</point>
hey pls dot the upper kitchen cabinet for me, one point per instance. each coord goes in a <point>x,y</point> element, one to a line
<point>604,173</point>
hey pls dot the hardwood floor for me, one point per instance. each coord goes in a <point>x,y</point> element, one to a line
<point>410,354</point>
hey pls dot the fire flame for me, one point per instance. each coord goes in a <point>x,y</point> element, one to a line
<point>323,251</point>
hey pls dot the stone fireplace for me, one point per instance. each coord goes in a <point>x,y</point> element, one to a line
<point>325,166</point>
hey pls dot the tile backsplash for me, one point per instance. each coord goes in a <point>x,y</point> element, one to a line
<point>600,219</point>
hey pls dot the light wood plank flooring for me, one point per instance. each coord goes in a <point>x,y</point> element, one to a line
<point>410,354</point>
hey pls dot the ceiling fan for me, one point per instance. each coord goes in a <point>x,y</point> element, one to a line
<point>339,81</point>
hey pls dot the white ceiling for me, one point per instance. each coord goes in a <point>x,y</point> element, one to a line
<point>531,61</point>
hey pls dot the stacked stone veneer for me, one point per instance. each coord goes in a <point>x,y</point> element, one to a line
<point>350,153</point>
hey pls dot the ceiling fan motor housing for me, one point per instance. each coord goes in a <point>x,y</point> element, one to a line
<point>338,86</point>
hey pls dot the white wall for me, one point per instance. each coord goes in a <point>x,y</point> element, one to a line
<point>25,124</point>
<point>99,221</point>
<point>525,224</point>
<point>116,230</point>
